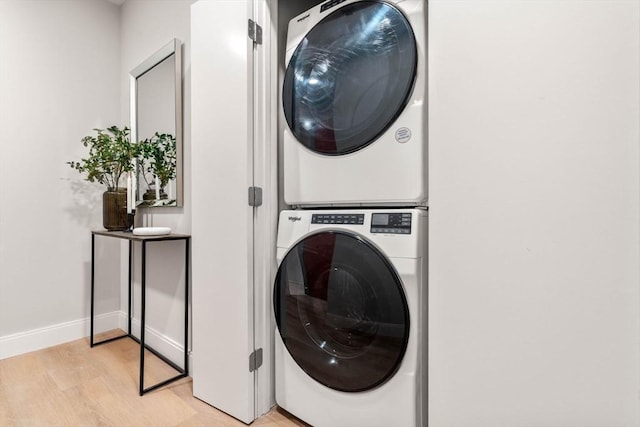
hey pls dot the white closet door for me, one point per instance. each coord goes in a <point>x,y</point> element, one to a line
<point>222,222</point>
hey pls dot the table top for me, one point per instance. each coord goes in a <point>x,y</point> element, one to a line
<point>128,235</point>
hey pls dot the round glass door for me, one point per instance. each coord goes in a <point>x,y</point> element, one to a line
<point>341,311</point>
<point>350,77</point>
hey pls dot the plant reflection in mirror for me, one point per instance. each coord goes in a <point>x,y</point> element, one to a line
<point>158,159</point>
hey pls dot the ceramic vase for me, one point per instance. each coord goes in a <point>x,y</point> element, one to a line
<point>114,209</point>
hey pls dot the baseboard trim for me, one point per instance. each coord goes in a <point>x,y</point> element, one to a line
<point>37,339</point>
<point>167,346</point>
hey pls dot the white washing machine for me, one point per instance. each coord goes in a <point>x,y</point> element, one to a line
<point>354,98</point>
<point>350,302</point>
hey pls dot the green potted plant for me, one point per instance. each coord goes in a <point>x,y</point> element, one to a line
<point>157,163</point>
<point>111,155</point>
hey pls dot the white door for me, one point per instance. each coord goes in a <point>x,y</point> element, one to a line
<point>230,264</point>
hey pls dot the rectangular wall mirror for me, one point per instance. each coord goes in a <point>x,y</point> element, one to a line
<point>156,124</point>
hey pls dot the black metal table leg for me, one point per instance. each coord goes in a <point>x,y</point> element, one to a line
<point>129,331</point>
<point>143,284</point>
<point>182,372</point>
<point>92,342</point>
<point>93,258</point>
<point>187,242</point>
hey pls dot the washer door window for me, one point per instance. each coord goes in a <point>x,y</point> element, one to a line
<point>350,77</point>
<point>341,311</point>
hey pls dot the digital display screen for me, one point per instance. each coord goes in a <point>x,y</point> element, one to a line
<point>380,219</point>
<point>391,223</point>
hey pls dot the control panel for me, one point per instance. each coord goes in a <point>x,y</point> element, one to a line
<point>337,219</point>
<point>391,223</point>
<point>330,4</point>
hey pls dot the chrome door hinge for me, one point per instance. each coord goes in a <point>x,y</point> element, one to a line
<point>255,32</point>
<point>255,196</point>
<point>255,360</point>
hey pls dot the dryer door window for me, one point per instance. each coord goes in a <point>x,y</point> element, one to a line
<point>350,77</point>
<point>341,311</point>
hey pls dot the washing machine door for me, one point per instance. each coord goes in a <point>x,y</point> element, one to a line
<point>350,77</point>
<point>341,311</point>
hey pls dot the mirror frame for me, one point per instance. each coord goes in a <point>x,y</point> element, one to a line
<point>171,48</point>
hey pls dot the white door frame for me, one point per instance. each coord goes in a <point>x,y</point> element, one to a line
<point>265,176</point>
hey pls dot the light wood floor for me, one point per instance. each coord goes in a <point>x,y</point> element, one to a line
<point>74,385</point>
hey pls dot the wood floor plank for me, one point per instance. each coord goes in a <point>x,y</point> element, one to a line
<point>75,385</point>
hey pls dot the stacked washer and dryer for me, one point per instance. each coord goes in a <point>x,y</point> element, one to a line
<point>350,295</point>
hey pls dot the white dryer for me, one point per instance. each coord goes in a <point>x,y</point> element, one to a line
<point>350,302</point>
<point>354,99</point>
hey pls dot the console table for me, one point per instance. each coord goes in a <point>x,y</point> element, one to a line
<point>127,235</point>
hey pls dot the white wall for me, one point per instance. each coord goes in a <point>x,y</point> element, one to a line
<point>65,70</point>
<point>59,71</point>
<point>534,213</point>
<point>146,26</point>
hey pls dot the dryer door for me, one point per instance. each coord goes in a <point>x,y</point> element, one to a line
<point>341,311</point>
<point>350,77</point>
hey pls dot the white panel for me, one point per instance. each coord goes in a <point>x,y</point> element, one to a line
<point>222,220</point>
<point>534,213</point>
